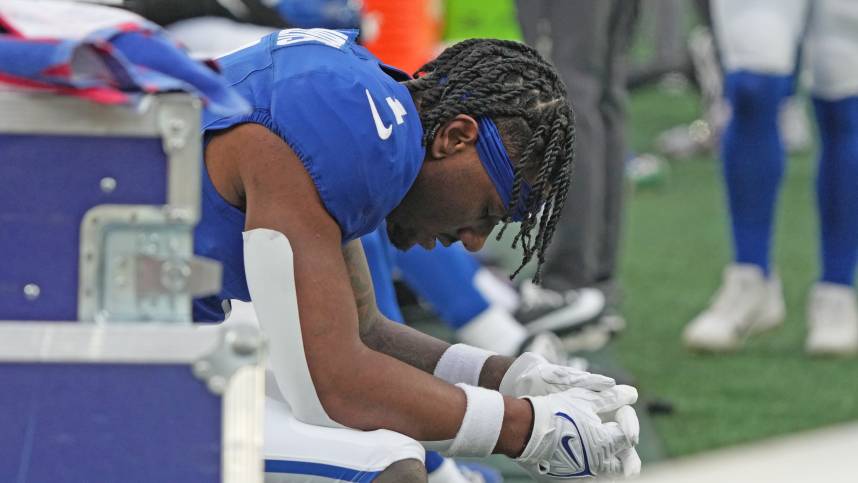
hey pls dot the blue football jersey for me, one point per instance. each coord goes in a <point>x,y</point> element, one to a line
<point>345,115</point>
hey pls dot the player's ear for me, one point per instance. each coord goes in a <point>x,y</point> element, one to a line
<point>455,135</point>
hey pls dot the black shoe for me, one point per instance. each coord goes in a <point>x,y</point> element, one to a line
<point>544,309</point>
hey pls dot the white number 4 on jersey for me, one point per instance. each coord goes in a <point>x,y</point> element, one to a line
<point>398,112</point>
<point>397,109</point>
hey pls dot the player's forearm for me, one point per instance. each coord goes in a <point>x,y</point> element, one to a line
<point>398,341</point>
<point>423,351</point>
<point>373,391</point>
<point>405,344</point>
<point>368,390</point>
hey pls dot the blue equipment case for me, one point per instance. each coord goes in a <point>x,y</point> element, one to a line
<point>96,227</point>
<point>98,209</point>
<point>130,403</point>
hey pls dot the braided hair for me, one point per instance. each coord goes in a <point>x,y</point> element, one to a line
<point>523,95</point>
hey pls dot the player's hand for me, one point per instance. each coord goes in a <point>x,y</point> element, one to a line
<point>532,375</point>
<point>570,439</point>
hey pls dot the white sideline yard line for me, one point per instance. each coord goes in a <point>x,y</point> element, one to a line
<point>823,456</point>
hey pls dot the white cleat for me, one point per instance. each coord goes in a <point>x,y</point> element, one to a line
<point>747,303</point>
<point>832,318</point>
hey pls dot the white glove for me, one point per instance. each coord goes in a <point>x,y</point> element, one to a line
<point>569,439</point>
<point>532,375</point>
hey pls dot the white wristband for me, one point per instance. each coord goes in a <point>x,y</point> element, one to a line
<point>481,426</point>
<point>462,363</point>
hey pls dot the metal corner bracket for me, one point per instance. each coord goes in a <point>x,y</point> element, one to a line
<point>241,344</point>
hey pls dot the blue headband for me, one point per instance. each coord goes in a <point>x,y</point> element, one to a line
<point>495,159</point>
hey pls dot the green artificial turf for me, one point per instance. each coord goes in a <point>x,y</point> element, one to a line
<point>675,246</point>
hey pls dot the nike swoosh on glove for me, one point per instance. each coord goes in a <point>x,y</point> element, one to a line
<point>570,439</point>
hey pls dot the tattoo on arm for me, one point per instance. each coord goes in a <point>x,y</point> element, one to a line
<point>368,314</point>
<point>396,340</point>
<point>376,331</point>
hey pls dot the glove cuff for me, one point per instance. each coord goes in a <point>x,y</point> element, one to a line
<point>522,364</point>
<point>541,442</point>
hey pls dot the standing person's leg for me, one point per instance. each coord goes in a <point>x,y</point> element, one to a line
<point>573,34</point>
<point>578,31</point>
<point>833,51</point>
<point>532,18</point>
<point>759,41</point>
<point>613,108</point>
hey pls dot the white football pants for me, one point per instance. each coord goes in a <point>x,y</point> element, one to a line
<point>765,36</point>
<point>297,452</point>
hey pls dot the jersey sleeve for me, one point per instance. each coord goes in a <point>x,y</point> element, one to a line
<point>342,129</point>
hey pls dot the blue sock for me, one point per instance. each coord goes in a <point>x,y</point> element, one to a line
<point>837,188</point>
<point>753,160</point>
<point>433,461</point>
<point>444,277</point>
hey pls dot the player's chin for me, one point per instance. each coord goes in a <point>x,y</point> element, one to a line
<point>399,237</point>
